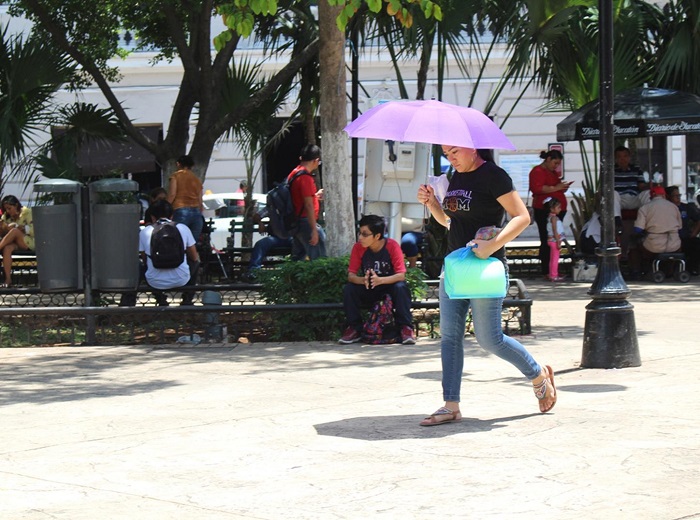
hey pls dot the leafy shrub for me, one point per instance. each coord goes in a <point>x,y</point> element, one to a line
<point>320,281</point>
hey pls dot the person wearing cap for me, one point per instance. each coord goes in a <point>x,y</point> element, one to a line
<point>658,224</point>
<point>310,238</point>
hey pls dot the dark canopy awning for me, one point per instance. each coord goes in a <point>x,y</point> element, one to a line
<point>638,112</point>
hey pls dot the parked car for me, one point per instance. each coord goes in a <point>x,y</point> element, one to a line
<point>227,208</point>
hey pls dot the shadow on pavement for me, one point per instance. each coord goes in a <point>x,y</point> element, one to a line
<point>49,378</point>
<point>396,427</point>
<point>592,389</point>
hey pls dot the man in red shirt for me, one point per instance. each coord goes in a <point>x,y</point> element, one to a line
<point>310,237</point>
<point>376,268</point>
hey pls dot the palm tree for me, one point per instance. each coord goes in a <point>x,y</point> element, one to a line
<point>556,49</point>
<point>254,134</point>
<point>83,124</point>
<point>678,54</point>
<point>32,71</point>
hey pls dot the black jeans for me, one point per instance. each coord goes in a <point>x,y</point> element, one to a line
<point>355,295</point>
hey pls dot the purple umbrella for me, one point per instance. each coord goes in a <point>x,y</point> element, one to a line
<point>429,121</point>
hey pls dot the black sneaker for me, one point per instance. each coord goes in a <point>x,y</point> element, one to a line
<point>350,335</point>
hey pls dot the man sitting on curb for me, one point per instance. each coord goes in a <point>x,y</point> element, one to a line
<point>161,279</point>
<point>376,268</point>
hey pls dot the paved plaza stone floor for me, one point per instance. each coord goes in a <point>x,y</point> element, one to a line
<point>324,431</point>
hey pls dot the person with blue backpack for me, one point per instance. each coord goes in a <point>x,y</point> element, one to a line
<point>309,236</point>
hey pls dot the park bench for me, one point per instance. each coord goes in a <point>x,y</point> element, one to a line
<point>517,305</point>
<point>24,269</point>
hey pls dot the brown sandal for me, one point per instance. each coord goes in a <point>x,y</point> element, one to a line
<point>449,416</point>
<point>541,389</point>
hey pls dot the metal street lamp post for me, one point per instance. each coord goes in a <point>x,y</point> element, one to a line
<point>610,334</point>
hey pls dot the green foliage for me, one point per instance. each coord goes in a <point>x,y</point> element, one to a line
<point>320,281</point>
<point>401,10</point>
<point>239,16</point>
<point>415,278</point>
<point>33,70</point>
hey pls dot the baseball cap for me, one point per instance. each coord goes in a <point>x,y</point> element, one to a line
<point>658,190</point>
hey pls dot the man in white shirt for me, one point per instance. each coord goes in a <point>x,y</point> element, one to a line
<point>658,222</point>
<point>185,273</point>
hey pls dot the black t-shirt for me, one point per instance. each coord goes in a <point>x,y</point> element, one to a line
<point>471,203</point>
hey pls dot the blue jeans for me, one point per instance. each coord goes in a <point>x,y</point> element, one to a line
<point>301,241</point>
<point>486,316</point>
<point>263,246</point>
<point>192,218</point>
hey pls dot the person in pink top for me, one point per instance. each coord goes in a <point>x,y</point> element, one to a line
<point>310,237</point>
<point>376,268</point>
<point>545,182</point>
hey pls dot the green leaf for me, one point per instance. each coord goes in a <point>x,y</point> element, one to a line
<point>374,5</point>
<point>342,21</point>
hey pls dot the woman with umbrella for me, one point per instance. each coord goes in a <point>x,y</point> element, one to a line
<point>545,182</point>
<point>478,196</point>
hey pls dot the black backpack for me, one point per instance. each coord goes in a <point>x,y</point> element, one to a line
<point>167,246</point>
<point>283,219</point>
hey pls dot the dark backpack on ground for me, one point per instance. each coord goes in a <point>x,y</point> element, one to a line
<point>380,329</point>
<point>167,246</point>
<point>284,221</point>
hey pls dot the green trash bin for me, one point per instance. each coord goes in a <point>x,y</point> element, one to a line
<point>114,234</point>
<point>58,235</point>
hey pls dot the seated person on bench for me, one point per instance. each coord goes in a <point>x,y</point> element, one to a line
<point>376,268</point>
<point>263,246</point>
<point>17,231</point>
<point>161,279</point>
<point>658,222</point>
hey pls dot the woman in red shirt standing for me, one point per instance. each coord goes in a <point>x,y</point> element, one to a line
<point>546,182</point>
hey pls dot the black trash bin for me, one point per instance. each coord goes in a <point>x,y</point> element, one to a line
<point>58,235</point>
<point>115,215</point>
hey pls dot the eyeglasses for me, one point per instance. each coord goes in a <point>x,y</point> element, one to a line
<point>366,235</point>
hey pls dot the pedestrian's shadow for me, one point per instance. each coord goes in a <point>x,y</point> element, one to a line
<point>396,427</point>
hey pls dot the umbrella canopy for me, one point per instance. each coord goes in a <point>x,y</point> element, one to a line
<point>431,122</point>
<point>638,112</point>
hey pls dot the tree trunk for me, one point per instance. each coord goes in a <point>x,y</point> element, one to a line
<point>340,220</point>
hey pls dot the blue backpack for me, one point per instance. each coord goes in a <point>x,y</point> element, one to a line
<point>284,221</point>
